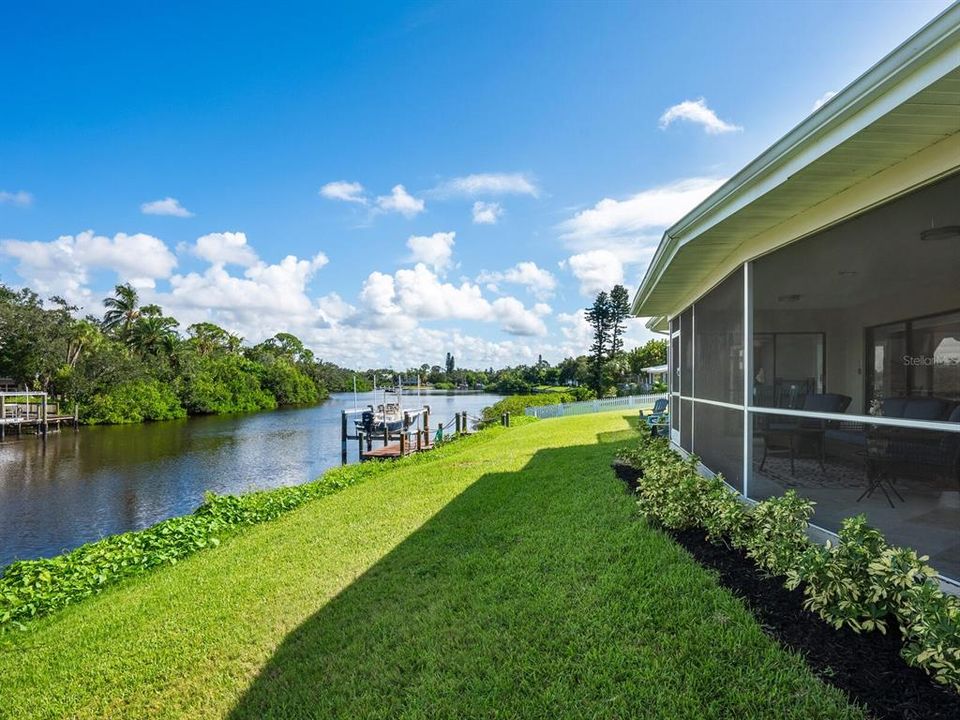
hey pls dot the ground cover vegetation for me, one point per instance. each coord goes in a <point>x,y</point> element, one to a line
<point>860,582</point>
<point>507,576</point>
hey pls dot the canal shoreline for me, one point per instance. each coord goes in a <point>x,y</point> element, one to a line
<point>76,487</point>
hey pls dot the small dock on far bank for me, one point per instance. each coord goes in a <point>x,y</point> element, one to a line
<point>32,412</point>
<point>413,436</point>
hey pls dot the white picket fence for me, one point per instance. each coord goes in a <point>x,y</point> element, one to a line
<point>594,406</point>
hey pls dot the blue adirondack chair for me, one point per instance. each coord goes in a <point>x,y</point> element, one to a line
<point>658,419</point>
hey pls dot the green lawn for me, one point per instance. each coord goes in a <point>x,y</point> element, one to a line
<point>511,579</point>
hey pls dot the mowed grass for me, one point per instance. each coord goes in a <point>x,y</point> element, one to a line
<point>512,579</point>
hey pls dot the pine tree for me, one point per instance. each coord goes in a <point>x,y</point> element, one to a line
<point>599,317</point>
<point>619,312</point>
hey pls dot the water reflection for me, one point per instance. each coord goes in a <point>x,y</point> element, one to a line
<point>77,487</point>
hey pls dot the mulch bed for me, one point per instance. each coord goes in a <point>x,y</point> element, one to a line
<point>866,665</point>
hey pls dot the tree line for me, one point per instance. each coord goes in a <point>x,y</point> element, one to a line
<point>134,363</point>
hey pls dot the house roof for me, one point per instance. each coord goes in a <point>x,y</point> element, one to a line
<point>906,103</point>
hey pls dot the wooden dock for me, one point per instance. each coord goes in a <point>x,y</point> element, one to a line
<point>414,436</point>
<point>392,451</point>
<point>32,412</point>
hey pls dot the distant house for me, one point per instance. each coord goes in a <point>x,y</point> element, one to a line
<point>813,307</point>
<point>656,373</point>
<point>8,385</point>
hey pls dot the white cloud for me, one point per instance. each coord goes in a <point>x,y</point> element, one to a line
<point>489,184</point>
<point>417,294</point>
<point>261,299</point>
<point>435,250</point>
<point>696,111</point>
<point>631,228</point>
<point>20,198</point>
<point>167,206</point>
<point>486,213</point>
<point>821,101</point>
<point>225,248</point>
<point>516,319</point>
<point>378,294</point>
<point>422,295</point>
<point>400,201</point>
<point>541,283</point>
<point>63,266</point>
<point>264,300</point>
<point>345,191</point>
<point>596,270</point>
<point>335,307</point>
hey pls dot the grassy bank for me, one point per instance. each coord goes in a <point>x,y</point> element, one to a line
<point>512,577</point>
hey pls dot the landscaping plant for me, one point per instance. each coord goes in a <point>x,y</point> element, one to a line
<point>860,581</point>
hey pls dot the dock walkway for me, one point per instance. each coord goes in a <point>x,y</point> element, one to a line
<point>31,411</point>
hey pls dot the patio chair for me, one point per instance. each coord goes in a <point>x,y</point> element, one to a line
<point>903,452</point>
<point>659,408</point>
<point>785,435</point>
<point>659,418</point>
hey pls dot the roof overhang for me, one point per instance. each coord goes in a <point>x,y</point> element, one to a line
<point>895,128</point>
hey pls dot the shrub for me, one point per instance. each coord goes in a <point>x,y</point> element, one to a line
<point>288,384</point>
<point>931,632</point>
<point>725,516</point>
<point>778,535</point>
<point>133,402</point>
<point>582,392</point>
<point>224,384</point>
<point>861,582</point>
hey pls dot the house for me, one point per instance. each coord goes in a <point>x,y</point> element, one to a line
<point>813,307</point>
<point>656,373</point>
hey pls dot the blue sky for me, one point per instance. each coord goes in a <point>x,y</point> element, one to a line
<point>393,181</point>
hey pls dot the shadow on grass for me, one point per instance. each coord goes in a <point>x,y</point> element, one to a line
<point>534,593</point>
<point>485,589</point>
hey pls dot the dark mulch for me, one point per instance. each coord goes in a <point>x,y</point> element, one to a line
<point>867,665</point>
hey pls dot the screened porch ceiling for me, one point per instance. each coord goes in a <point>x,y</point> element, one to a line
<point>693,250</point>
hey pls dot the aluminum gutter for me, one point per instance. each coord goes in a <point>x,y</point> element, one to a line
<point>925,57</point>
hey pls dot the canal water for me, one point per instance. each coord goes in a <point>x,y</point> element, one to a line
<point>77,487</point>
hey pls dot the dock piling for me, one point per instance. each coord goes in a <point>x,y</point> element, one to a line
<point>343,437</point>
<point>404,438</point>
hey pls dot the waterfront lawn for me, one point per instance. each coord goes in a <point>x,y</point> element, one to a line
<point>512,579</point>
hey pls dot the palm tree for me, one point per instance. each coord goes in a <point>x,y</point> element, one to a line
<point>81,336</point>
<point>122,309</point>
<point>153,334</point>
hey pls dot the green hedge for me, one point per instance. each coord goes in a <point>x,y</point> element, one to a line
<point>861,582</point>
<point>516,404</point>
<point>32,588</point>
